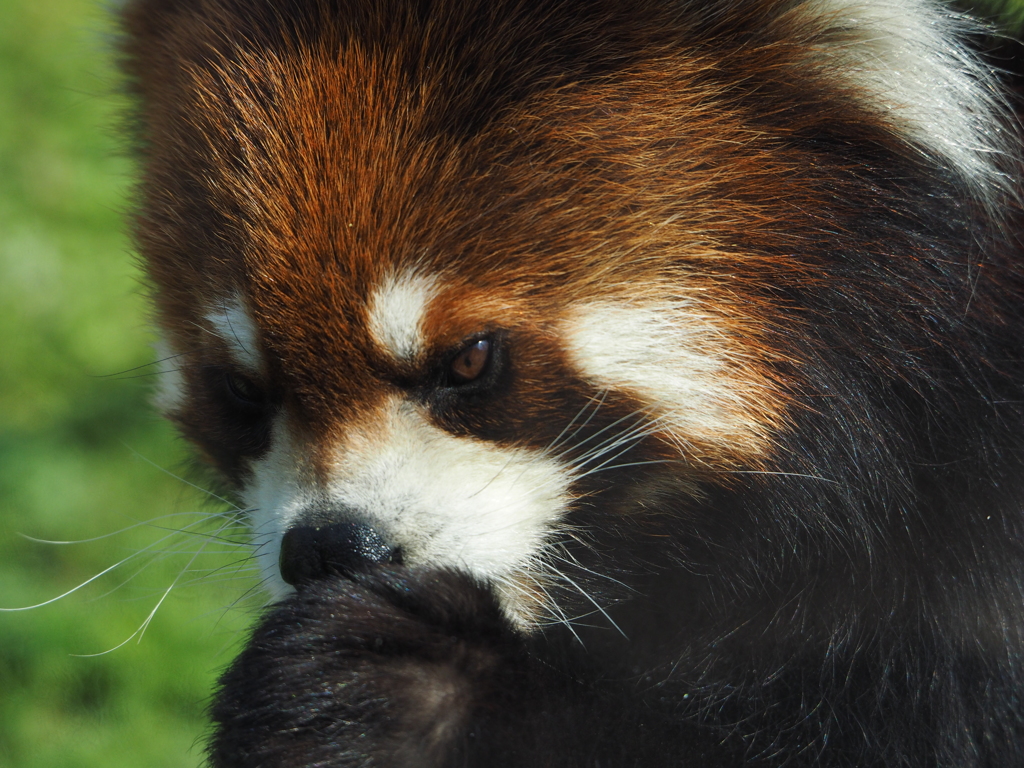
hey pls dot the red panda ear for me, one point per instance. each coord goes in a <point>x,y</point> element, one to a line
<point>909,64</point>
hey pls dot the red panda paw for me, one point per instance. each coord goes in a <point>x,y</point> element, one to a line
<point>379,668</point>
<point>420,668</point>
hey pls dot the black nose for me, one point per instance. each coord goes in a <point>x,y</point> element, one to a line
<point>311,552</point>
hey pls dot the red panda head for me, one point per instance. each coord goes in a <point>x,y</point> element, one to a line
<point>440,285</point>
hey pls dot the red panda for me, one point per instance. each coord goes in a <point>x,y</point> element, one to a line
<point>609,382</point>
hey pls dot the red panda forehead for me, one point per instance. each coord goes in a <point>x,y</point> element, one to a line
<point>336,343</point>
<point>312,147</point>
<point>308,175</point>
<point>412,314</point>
<point>366,233</point>
<point>400,317</point>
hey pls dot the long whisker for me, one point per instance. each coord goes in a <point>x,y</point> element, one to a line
<point>597,403</point>
<point>603,430</point>
<point>551,605</point>
<point>781,474</point>
<point>180,479</point>
<point>93,578</point>
<point>159,555</point>
<point>133,526</point>
<point>604,468</point>
<point>141,631</point>
<point>566,556</point>
<point>640,429</point>
<point>120,374</point>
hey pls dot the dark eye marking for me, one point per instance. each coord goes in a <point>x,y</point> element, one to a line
<point>230,418</point>
<point>243,393</point>
<point>471,362</point>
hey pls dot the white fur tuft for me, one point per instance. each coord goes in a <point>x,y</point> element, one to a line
<point>673,357</point>
<point>234,324</point>
<point>169,396</point>
<point>397,309</point>
<point>909,60</point>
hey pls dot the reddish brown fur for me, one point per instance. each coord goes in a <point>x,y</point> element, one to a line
<point>668,162</point>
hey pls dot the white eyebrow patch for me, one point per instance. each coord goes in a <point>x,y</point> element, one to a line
<point>397,309</point>
<point>233,323</point>
<point>673,357</point>
<point>169,396</point>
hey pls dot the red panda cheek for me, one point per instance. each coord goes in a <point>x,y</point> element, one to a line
<point>703,384</point>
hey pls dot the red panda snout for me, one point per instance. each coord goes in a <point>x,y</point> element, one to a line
<point>398,483</point>
<point>311,551</point>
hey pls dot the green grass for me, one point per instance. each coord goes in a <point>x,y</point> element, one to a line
<point>80,449</point>
<point>72,436</point>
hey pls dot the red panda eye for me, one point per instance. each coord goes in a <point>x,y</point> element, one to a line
<point>245,391</point>
<point>471,362</point>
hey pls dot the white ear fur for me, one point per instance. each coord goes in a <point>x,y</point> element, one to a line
<point>910,61</point>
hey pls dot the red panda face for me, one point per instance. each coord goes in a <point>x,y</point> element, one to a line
<point>519,326</point>
<point>439,300</point>
<point>453,341</point>
<point>457,424</point>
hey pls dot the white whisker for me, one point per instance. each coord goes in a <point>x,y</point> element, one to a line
<point>180,479</point>
<point>141,631</point>
<point>133,526</point>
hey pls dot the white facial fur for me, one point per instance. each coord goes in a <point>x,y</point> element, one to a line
<point>397,309</point>
<point>446,501</point>
<point>276,495</point>
<point>234,324</point>
<point>671,356</point>
<point>169,396</point>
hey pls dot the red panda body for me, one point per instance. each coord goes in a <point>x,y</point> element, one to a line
<point>610,383</point>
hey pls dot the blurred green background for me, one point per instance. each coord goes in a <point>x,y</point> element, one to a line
<point>82,455</point>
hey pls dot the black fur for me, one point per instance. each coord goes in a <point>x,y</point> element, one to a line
<point>419,669</point>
